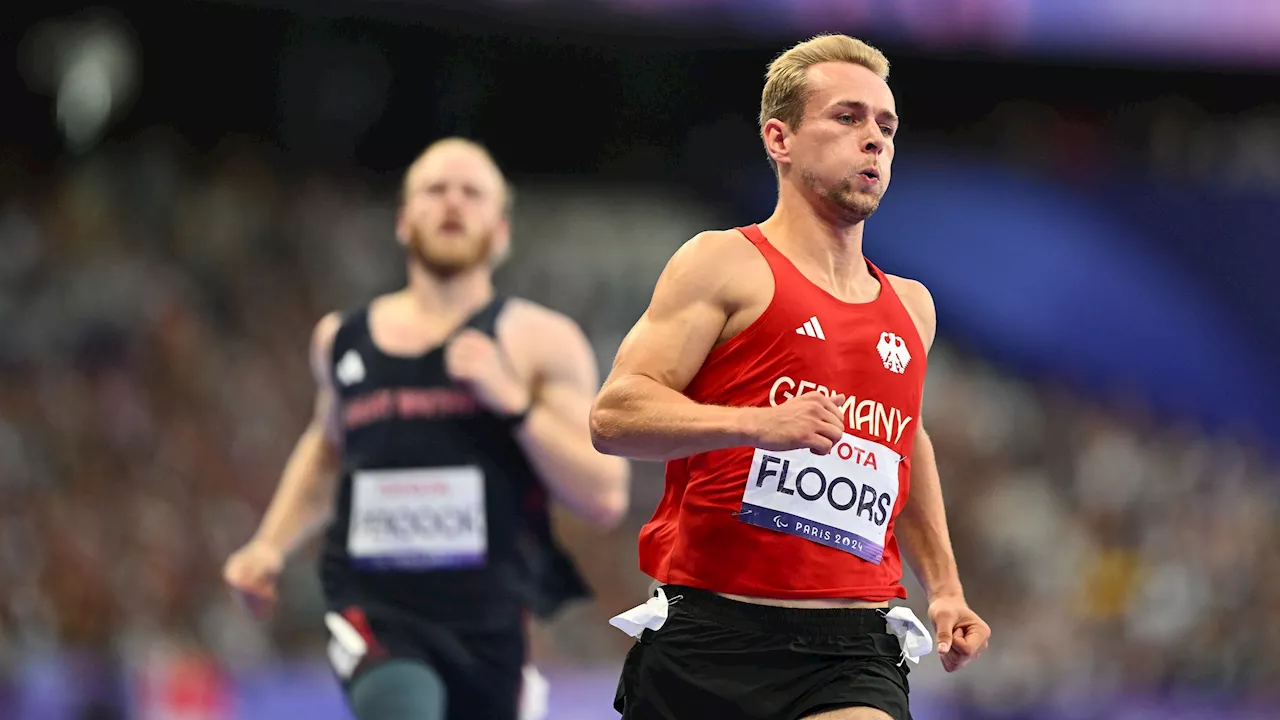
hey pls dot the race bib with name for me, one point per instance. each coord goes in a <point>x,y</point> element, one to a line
<point>418,519</point>
<point>843,500</point>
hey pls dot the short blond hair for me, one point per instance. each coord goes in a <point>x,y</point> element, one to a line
<point>508,192</point>
<point>786,85</point>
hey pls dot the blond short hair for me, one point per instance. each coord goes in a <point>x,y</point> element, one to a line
<point>786,85</point>
<point>508,192</point>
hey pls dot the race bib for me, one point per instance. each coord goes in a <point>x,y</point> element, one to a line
<point>843,500</point>
<point>418,519</point>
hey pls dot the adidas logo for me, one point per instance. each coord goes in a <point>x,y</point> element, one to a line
<point>812,328</point>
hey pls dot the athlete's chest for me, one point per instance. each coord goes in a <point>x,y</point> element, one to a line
<point>396,372</point>
<point>376,390</point>
<point>870,359</point>
<point>807,333</point>
<point>875,360</point>
<point>872,347</point>
<point>871,340</point>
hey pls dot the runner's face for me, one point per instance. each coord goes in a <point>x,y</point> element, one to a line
<point>843,151</point>
<point>452,218</point>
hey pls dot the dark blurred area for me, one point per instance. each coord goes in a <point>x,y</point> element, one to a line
<point>1090,189</point>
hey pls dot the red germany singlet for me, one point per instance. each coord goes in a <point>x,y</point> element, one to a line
<point>794,524</point>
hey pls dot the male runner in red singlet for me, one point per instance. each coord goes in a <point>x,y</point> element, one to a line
<point>780,374</point>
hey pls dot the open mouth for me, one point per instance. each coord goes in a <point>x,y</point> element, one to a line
<point>871,174</point>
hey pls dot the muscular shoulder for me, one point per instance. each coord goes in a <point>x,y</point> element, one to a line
<point>722,244</point>
<point>528,318</point>
<point>718,264</point>
<point>542,341</point>
<point>919,303</point>
<point>322,337</point>
<point>719,254</point>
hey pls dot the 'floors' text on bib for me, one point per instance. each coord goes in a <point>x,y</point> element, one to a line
<point>842,500</point>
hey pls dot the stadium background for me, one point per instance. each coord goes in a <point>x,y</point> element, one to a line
<point>1090,189</point>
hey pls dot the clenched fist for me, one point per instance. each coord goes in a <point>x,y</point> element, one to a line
<point>961,634</point>
<point>252,572</point>
<point>475,360</point>
<point>811,420</point>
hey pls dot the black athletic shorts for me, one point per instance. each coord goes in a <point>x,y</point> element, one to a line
<point>482,668</point>
<point>729,660</point>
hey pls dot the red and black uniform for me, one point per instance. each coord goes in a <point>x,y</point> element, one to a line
<point>787,525</point>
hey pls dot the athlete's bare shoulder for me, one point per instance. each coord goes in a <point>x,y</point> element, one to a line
<point>721,252</point>
<point>707,292</point>
<point>919,303</point>
<point>719,241</point>
<point>723,265</point>
<point>544,342</point>
<point>322,341</point>
<point>527,317</point>
<point>325,413</point>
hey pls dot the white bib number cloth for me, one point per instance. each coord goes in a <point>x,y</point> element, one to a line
<point>651,614</point>
<point>843,500</point>
<point>911,633</point>
<point>418,519</point>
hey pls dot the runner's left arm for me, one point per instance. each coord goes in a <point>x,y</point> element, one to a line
<point>556,435</point>
<point>922,527</point>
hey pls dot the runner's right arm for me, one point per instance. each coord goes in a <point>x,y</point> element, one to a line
<point>642,413</point>
<point>304,499</point>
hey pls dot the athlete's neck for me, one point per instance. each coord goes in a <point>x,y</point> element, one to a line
<point>452,297</point>
<point>824,245</point>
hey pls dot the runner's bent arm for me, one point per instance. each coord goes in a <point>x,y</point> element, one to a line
<point>922,526</point>
<point>303,502</point>
<point>641,412</point>
<point>555,435</point>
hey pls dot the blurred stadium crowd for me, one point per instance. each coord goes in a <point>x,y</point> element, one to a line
<point>183,209</point>
<point>156,304</point>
